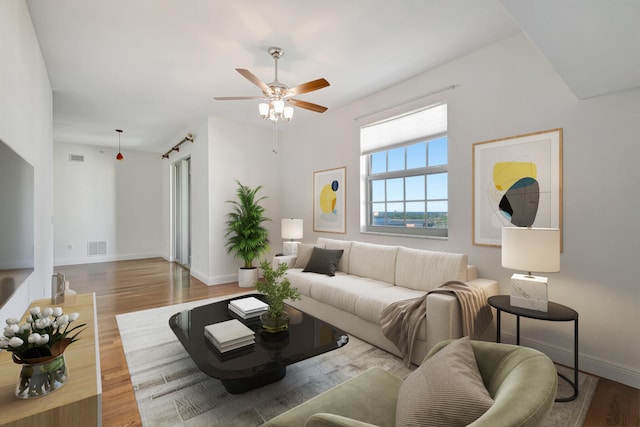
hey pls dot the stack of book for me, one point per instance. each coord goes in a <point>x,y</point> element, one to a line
<point>248,308</point>
<point>229,335</point>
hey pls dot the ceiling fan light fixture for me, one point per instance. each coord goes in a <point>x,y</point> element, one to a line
<point>264,108</point>
<point>276,95</point>
<point>278,106</point>
<point>287,114</point>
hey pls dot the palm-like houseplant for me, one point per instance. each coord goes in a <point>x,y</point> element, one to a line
<point>246,236</point>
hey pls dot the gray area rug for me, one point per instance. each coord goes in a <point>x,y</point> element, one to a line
<point>171,391</point>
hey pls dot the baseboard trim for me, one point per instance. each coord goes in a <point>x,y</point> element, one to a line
<point>219,280</point>
<point>106,258</point>
<point>214,280</point>
<point>586,362</point>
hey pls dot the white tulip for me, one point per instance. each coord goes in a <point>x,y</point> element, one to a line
<point>15,342</point>
<point>35,311</point>
<point>30,319</point>
<point>12,321</point>
<point>73,317</point>
<point>43,323</point>
<point>47,312</point>
<point>62,320</point>
<point>57,311</point>
<point>11,330</point>
<point>33,338</point>
<point>25,327</point>
<point>43,339</point>
<point>4,342</point>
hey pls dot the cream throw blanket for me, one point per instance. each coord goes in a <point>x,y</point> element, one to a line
<point>400,321</point>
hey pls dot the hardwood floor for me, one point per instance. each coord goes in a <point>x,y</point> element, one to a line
<point>123,287</point>
<point>127,286</point>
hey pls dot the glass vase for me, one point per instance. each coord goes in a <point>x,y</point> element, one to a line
<point>274,324</point>
<point>39,379</point>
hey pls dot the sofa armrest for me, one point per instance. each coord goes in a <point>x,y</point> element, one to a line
<point>324,419</point>
<point>444,317</point>
<point>290,260</point>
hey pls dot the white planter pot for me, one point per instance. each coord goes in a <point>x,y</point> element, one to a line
<point>247,277</point>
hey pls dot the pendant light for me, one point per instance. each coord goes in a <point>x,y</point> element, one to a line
<point>119,156</point>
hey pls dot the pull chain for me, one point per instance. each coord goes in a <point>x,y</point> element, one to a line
<point>275,137</point>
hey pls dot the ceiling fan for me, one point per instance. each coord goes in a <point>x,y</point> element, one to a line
<point>278,95</point>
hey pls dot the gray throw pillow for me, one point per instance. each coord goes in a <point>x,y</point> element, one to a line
<point>446,390</point>
<point>323,261</point>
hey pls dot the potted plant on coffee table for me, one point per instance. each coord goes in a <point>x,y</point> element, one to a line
<point>246,236</point>
<point>276,287</point>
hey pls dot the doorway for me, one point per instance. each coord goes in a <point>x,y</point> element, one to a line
<point>182,211</point>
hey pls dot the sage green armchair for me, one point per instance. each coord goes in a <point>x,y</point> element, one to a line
<point>522,381</point>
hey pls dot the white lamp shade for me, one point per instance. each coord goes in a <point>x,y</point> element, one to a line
<point>531,249</point>
<point>288,113</point>
<point>278,106</point>
<point>291,228</point>
<point>263,108</point>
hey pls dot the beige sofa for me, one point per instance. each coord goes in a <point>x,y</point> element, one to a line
<point>370,277</point>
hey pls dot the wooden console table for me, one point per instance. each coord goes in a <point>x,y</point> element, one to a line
<point>79,401</point>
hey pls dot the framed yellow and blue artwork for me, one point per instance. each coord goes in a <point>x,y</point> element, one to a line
<point>329,200</point>
<point>517,182</point>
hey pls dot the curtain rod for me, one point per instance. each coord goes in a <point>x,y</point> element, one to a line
<point>176,147</point>
<point>415,98</point>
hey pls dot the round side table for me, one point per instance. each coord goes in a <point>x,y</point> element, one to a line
<point>555,313</point>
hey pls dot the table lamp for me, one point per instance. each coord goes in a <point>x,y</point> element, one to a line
<point>530,249</point>
<point>290,229</point>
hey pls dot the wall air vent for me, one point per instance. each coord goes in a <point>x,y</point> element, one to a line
<point>76,157</point>
<point>96,248</point>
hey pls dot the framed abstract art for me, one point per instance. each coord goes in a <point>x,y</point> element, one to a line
<point>517,182</point>
<point>329,200</point>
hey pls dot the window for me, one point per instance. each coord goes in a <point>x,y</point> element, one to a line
<point>406,173</point>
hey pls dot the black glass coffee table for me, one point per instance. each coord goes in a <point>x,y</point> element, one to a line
<point>261,363</point>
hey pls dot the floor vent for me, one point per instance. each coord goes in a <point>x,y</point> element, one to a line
<point>76,157</point>
<point>97,248</point>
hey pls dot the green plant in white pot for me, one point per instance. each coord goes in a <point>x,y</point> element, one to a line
<point>276,287</point>
<point>246,236</point>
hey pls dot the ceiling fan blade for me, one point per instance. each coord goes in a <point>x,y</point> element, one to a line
<point>308,87</point>
<point>307,105</point>
<point>255,80</point>
<point>234,98</point>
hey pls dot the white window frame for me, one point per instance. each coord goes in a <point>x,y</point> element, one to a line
<point>393,131</point>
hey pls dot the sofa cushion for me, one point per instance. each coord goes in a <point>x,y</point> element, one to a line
<point>345,245</point>
<point>343,290</point>
<point>304,254</point>
<point>374,261</point>
<point>425,270</point>
<point>323,261</point>
<point>446,389</point>
<point>371,304</point>
<point>301,281</point>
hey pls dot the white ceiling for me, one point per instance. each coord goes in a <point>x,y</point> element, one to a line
<point>152,67</point>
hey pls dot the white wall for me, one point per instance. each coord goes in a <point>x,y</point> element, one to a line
<point>509,89</point>
<point>222,152</point>
<point>25,125</point>
<point>102,199</point>
<point>238,153</point>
